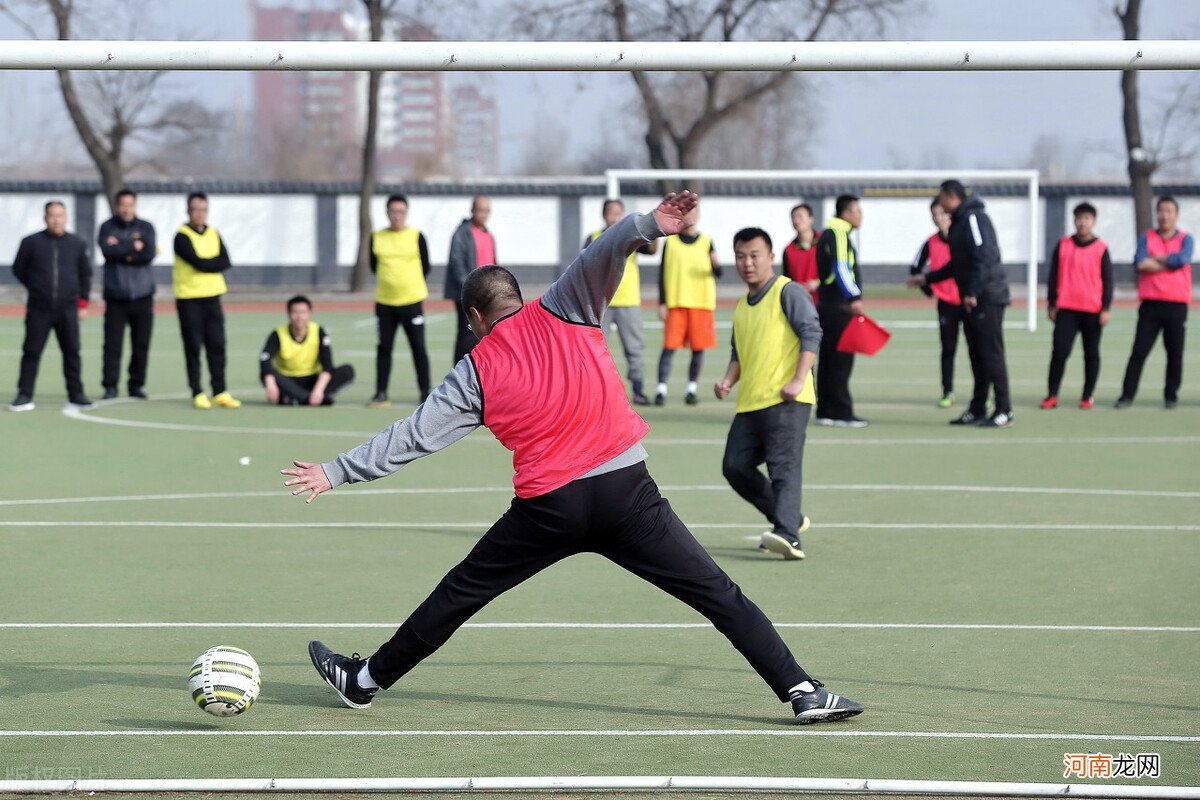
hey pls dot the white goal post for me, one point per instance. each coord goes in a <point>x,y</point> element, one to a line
<point>615,177</point>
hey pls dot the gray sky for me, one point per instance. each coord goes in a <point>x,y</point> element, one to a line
<point>880,120</point>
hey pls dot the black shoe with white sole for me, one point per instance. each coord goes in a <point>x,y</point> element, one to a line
<point>968,418</point>
<point>1001,419</point>
<point>341,673</point>
<point>822,706</point>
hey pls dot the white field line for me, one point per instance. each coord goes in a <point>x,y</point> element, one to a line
<point>576,783</point>
<point>86,416</point>
<point>620,626</point>
<point>1087,737</point>
<point>481,525</point>
<point>405,490</point>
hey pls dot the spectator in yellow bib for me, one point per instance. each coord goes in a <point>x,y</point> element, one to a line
<point>296,364</point>
<point>687,296</point>
<point>776,337</point>
<point>400,261</point>
<point>201,261</point>
<point>625,311</point>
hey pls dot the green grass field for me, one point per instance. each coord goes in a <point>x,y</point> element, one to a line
<point>140,513</point>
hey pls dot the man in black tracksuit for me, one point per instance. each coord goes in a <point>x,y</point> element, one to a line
<point>128,245</point>
<point>983,286</point>
<point>55,270</point>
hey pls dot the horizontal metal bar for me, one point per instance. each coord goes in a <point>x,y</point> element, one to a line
<point>601,56</point>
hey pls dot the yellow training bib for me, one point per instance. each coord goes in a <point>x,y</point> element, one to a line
<point>191,283</point>
<point>299,359</point>
<point>629,290</point>
<point>688,274</point>
<point>399,280</point>
<point>768,351</point>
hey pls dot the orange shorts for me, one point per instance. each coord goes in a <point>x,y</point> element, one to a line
<point>690,327</point>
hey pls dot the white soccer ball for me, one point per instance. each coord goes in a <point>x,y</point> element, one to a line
<point>224,681</point>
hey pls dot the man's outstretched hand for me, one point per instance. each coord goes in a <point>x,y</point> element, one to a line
<point>308,478</point>
<point>677,212</point>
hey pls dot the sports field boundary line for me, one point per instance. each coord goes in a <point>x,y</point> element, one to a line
<point>481,525</point>
<point>617,733</point>
<point>965,626</point>
<point>602,784</point>
<point>284,493</point>
<point>82,415</point>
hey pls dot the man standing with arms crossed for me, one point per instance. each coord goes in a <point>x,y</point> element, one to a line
<point>472,246</point>
<point>580,475</point>
<point>800,255</point>
<point>1164,265</point>
<point>200,263</point>
<point>129,247</point>
<point>625,310</point>
<point>776,336</point>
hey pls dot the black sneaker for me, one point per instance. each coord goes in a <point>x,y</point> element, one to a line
<point>341,673</point>
<point>822,706</point>
<point>81,402</point>
<point>1169,404</point>
<point>110,393</point>
<point>1123,402</point>
<point>1001,419</point>
<point>379,400</point>
<point>22,402</point>
<point>137,393</point>
<point>968,418</point>
<point>639,399</point>
<point>660,399</point>
<point>691,399</point>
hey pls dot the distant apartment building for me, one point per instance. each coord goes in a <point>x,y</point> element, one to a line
<point>425,128</point>
<point>476,132</point>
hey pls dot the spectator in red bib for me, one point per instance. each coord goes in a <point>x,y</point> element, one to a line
<point>800,256</point>
<point>935,254</point>
<point>542,380</point>
<point>1079,292</point>
<point>1164,265</point>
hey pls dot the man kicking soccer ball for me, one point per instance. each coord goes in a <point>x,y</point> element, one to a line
<point>555,399</point>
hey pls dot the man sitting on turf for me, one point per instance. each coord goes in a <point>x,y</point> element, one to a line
<point>296,363</point>
<point>554,397</point>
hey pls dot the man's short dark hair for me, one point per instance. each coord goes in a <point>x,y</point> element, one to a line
<point>610,201</point>
<point>490,288</point>
<point>399,198</point>
<point>125,192</point>
<point>196,196</point>
<point>805,206</point>
<point>298,299</point>
<point>750,234</point>
<point>1084,208</point>
<point>46,208</point>
<point>1166,198</point>
<point>843,202</point>
<point>955,188</point>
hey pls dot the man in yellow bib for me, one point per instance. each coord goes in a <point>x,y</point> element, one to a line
<point>296,364</point>
<point>687,296</point>
<point>400,261</point>
<point>200,263</point>
<point>776,337</point>
<point>625,310</point>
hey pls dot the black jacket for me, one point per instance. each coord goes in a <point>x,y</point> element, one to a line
<point>55,270</point>
<point>127,271</point>
<point>974,256</point>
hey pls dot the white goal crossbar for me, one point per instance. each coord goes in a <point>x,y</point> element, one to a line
<point>614,178</point>
<point>898,56</point>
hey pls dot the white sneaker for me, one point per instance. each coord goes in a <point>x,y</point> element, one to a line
<point>826,421</point>
<point>788,548</point>
<point>21,403</point>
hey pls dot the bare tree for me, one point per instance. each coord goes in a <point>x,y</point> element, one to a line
<point>683,110</point>
<point>119,116</point>
<point>1141,164</point>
